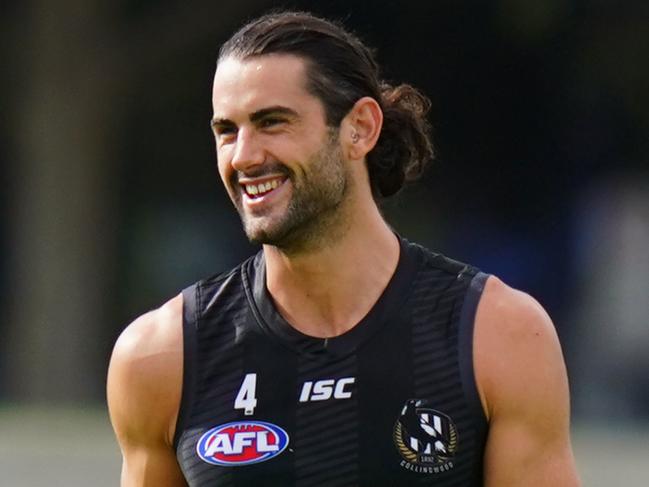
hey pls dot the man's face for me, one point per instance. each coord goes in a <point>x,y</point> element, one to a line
<point>281,165</point>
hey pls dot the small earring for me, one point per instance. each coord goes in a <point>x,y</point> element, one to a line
<point>355,137</point>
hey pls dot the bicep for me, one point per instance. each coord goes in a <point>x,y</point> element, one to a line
<point>147,460</point>
<point>519,453</point>
<point>520,368</point>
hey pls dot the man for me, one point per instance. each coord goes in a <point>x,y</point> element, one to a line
<point>341,354</point>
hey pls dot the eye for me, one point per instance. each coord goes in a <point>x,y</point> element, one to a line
<point>225,130</point>
<point>225,133</point>
<point>270,122</point>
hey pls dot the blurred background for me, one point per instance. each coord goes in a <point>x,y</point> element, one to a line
<point>111,202</point>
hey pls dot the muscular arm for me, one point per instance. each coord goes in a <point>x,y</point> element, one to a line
<point>524,389</point>
<point>144,387</point>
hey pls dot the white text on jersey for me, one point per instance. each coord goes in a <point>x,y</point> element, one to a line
<point>321,390</point>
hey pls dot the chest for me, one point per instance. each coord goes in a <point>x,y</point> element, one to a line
<point>393,412</point>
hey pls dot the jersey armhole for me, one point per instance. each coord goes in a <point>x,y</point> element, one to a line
<point>465,346</point>
<point>190,323</point>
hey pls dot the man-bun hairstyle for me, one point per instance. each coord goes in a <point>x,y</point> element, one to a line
<point>340,71</point>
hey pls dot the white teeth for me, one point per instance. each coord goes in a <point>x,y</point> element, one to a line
<point>261,188</point>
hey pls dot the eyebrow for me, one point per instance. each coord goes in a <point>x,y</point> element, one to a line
<point>256,116</point>
<point>276,110</point>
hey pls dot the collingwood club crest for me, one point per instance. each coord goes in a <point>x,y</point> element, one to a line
<point>426,439</point>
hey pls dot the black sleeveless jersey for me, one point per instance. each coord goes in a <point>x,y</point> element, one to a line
<point>391,402</point>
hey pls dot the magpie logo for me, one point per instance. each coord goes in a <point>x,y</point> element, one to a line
<point>426,439</point>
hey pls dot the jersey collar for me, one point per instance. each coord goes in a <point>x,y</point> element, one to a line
<point>386,308</point>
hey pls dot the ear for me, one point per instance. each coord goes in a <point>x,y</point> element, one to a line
<point>361,127</point>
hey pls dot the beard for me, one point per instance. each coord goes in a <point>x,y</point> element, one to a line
<point>313,216</point>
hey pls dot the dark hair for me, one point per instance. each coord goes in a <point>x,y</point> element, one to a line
<point>340,71</point>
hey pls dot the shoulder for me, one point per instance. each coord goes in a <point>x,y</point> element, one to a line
<point>145,375</point>
<point>153,332</point>
<point>225,284</point>
<point>435,261</point>
<point>517,354</point>
<point>512,313</point>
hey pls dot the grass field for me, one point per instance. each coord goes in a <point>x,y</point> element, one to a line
<point>75,448</point>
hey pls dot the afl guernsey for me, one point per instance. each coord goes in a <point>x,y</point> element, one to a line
<point>391,402</point>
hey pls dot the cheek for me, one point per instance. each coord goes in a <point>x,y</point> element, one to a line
<point>224,167</point>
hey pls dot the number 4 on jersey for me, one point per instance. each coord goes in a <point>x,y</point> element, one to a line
<point>246,398</point>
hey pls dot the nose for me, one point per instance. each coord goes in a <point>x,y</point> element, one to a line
<point>248,151</point>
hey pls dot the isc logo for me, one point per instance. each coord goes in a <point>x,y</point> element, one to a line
<point>322,390</point>
<point>242,443</point>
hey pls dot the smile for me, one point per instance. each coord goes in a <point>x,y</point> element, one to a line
<point>259,189</point>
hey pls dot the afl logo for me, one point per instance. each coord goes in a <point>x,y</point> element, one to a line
<point>241,443</point>
<point>426,439</point>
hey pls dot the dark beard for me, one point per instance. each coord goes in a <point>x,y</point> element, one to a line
<point>303,229</point>
<point>313,216</point>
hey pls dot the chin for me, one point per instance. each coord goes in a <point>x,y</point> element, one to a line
<point>276,236</point>
<point>262,234</point>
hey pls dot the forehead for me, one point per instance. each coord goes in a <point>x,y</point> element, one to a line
<point>243,86</point>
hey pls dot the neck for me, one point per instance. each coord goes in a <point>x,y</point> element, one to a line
<point>324,291</point>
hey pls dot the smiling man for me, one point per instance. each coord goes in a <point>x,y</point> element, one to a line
<point>280,162</point>
<point>340,354</point>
